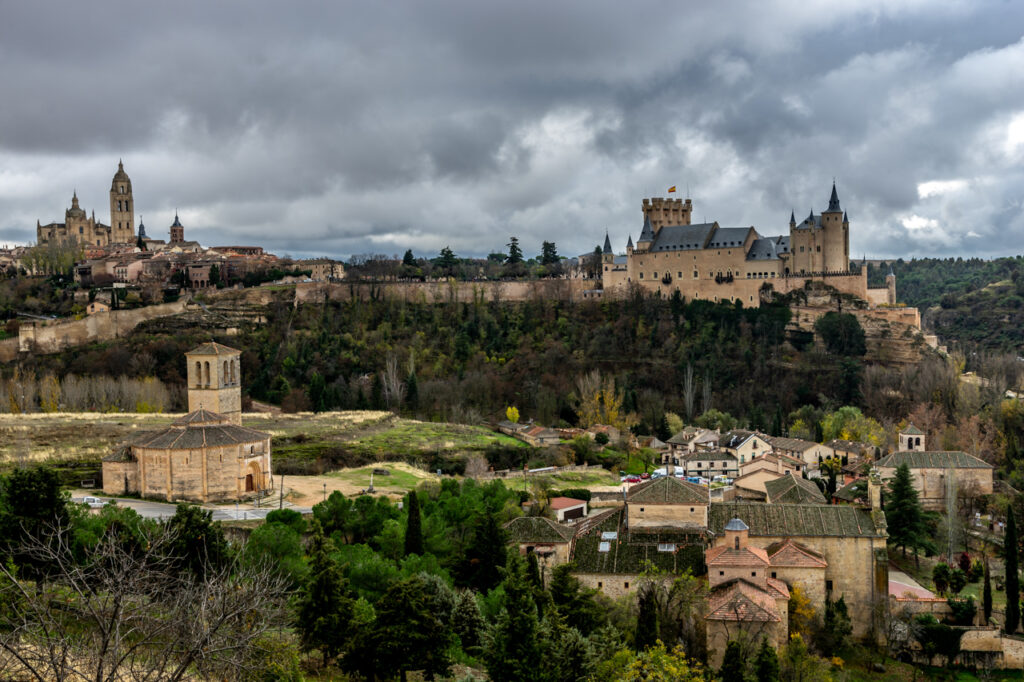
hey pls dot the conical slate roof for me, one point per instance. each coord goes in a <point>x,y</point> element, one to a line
<point>833,202</point>
<point>629,242</point>
<point>736,524</point>
<point>647,234</point>
<point>607,244</point>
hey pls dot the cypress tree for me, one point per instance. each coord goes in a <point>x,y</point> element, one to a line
<point>377,392</point>
<point>325,609</point>
<point>904,515</point>
<point>766,665</point>
<point>412,392</point>
<point>513,650</point>
<point>663,432</point>
<point>533,571</point>
<point>646,634</point>
<point>734,668</point>
<point>986,595</point>
<point>777,422</point>
<point>1012,577</point>
<point>413,526</point>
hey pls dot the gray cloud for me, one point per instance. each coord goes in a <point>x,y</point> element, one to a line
<point>340,128</point>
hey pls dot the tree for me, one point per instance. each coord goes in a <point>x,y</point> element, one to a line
<point>413,527</point>
<point>481,566</point>
<point>324,607</point>
<point>447,261</point>
<point>655,664</point>
<point>198,544</point>
<point>317,392</point>
<point>548,253</point>
<point>734,666</point>
<point>836,628</point>
<point>126,611</point>
<point>905,517</point>
<point>940,576</point>
<point>841,333</point>
<point>515,254</point>
<point>215,276</point>
<point>646,633</point>
<point>766,664</point>
<point>575,603</point>
<point>663,431</point>
<point>1010,545</point>
<point>801,613</point>
<point>409,260</point>
<point>512,651</point>
<point>798,664</point>
<point>512,414</point>
<point>986,595</point>
<point>412,391</point>
<point>408,634</point>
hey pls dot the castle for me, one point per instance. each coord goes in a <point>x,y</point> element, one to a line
<point>85,229</point>
<point>733,264</point>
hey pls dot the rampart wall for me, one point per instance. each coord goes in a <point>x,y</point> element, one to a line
<point>444,292</point>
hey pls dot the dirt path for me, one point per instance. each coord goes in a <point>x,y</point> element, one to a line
<point>308,490</point>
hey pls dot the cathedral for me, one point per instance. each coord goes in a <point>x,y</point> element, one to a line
<point>735,264</point>
<point>83,228</point>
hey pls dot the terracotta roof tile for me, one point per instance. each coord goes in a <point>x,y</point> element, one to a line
<point>741,601</point>
<point>668,490</point>
<point>745,556</point>
<point>793,554</point>
<point>564,502</point>
<point>793,490</point>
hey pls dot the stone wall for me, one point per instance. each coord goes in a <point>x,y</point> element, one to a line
<point>444,292</point>
<point>655,515</point>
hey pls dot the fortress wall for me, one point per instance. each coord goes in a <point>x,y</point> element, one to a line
<point>442,292</point>
<point>8,350</point>
<point>52,337</point>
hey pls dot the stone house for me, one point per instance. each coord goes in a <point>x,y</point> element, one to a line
<point>777,463</point>
<point>709,463</point>
<point>541,536</point>
<point>851,449</point>
<point>938,475</point>
<point>567,508</point>
<point>744,600</point>
<point>690,439</point>
<point>810,452</point>
<point>745,445</point>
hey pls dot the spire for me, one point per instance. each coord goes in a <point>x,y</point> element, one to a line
<point>629,242</point>
<point>176,223</point>
<point>810,218</point>
<point>607,243</point>
<point>792,217</point>
<point>646,234</point>
<point>833,202</point>
<point>120,165</point>
<point>845,219</point>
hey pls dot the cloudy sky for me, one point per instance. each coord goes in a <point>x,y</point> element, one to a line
<point>339,128</point>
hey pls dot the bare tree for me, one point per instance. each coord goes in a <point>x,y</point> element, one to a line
<point>122,613</point>
<point>394,382</point>
<point>689,391</point>
<point>706,395</point>
<point>476,466</point>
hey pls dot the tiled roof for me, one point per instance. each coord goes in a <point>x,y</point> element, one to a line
<point>735,438</point>
<point>938,459</point>
<point>631,552</point>
<point>685,436</point>
<point>730,237</point>
<point>213,348</point>
<point>185,434</point>
<point>668,490</point>
<point>741,601</point>
<point>724,555</point>
<point>793,490</point>
<point>912,430</point>
<point>853,491</point>
<point>848,445</point>
<point>564,502</point>
<point>706,455</point>
<point>790,444</point>
<point>537,529</point>
<point>809,520</point>
<point>793,554</point>
<point>679,237</point>
<point>201,416</point>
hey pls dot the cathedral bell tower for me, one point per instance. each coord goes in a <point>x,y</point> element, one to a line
<point>122,208</point>
<point>215,381</point>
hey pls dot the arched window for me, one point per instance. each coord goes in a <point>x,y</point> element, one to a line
<point>206,367</point>
<point>233,379</point>
<point>737,541</point>
<point>917,441</point>
<point>199,373</point>
<point>224,377</point>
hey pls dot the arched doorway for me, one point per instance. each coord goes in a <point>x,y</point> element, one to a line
<point>249,484</point>
<point>253,478</point>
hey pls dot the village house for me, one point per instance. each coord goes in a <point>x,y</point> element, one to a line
<point>810,452</point>
<point>790,489</point>
<point>709,463</point>
<point>567,508</point>
<point>745,445</point>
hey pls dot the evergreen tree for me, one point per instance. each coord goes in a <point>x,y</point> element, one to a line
<point>646,633</point>
<point>573,602</point>
<point>377,392</point>
<point>324,609</point>
<point>515,254</point>
<point>412,391</point>
<point>986,595</point>
<point>513,652</point>
<point>467,621</point>
<point>408,635</point>
<point>408,259</point>
<point>215,276</point>
<point>533,571</point>
<point>766,665</point>
<point>905,517</point>
<point>199,544</point>
<point>567,654</point>
<point>140,243</point>
<point>777,422</point>
<point>447,261</point>
<point>548,253</point>
<point>734,667</point>
<point>663,432</point>
<point>481,566</point>
<point>836,628</point>
<point>318,392</point>
<point>413,526</point>
<point>1010,546</point>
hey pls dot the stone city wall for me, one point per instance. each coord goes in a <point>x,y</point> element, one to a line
<point>444,292</point>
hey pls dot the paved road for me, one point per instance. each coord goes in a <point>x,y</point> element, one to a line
<point>163,510</point>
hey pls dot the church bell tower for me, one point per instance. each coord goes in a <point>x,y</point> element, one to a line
<point>122,208</point>
<point>215,381</point>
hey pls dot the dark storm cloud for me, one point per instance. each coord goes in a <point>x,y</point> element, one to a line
<point>340,128</point>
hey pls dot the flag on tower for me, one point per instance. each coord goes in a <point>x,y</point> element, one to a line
<point>672,188</point>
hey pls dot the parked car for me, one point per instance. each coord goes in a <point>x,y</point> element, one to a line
<point>645,476</point>
<point>93,502</point>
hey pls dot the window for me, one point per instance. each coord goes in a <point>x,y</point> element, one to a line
<point>599,584</point>
<point>736,542</point>
<point>801,249</point>
<point>818,248</point>
<point>655,275</point>
<point>828,585</point>
<point>691,510</point>
<point>199,373</point>
<point>641,275</point>
<point>666,547</point>
<point>773,574</point>
<point>641,508</point>
<point>679,275</point>
<point>753,574</point>
<point>721,573</point>
<point>695,274</point>
<point>625,585</point>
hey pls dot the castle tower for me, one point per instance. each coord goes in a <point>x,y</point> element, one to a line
<point>122,207</point>
<point>912,438</point>
<point>662,212</point>
<point>215,380</point>
<point>177,230</point>
<point>646,235</point>
<point>890,285</point>
<point>607,255</point>
<point>836,243</point>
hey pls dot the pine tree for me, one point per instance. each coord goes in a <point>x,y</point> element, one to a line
<point>766,665</point>
<point>646,633</point>
<point>986,595</point>
<point>515,254</point>
<point>1012,576</point>
<point>481,566</point>
<point>777,422</point>
<point>904,515</point>
<point>548,253</point>
<point>413,526</point>
<point>324,609</point>
<point>409,259</point>
<point>734,667</point>
<point>412,391</point>
<point>533,571</point>
<point>513,652</point>
<point>663,432</point>
<point>317,392</point>
<point>408,635</point>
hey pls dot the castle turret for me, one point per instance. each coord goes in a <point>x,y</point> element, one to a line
<point>890,284</point>
<point>215,380</point>
<point>646,235</point>
<point>607,255</point>
<point>122,207</point>
<point>836,237</point>
<point>792,220</point>
<point>629,246</point>
<point>662,212</point>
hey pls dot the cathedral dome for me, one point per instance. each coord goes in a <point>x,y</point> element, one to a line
<point>121,180</point>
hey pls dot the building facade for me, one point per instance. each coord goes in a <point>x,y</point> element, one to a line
<point>85,229</point>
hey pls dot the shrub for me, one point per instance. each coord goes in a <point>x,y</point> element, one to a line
<point>964,611</point>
